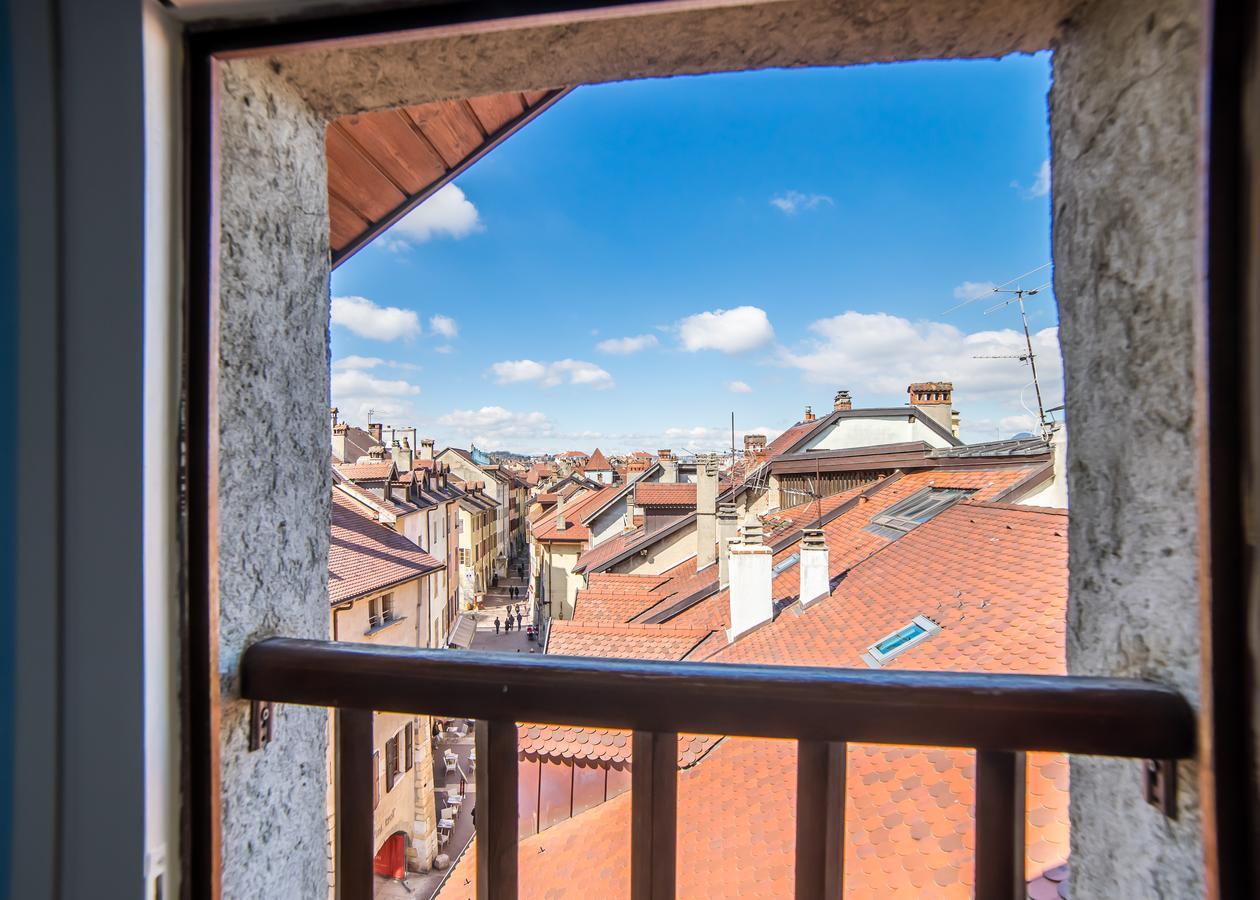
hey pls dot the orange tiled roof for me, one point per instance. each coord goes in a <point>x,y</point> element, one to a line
<point>366,471</point>
<point>365,556</point>
<point>571,638</point>
<point>598,462</point>
<point>576,512</point>
<point>657,493</point>
<point>737,829</point>
<point>994,575</point>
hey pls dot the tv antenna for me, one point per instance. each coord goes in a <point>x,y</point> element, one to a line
<point>1018,294</point>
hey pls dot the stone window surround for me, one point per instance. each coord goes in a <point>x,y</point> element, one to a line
<point>1126,273</point>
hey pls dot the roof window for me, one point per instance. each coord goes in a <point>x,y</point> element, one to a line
<point>786,563</point>
<point>916,509</point>
<point>919,630</point>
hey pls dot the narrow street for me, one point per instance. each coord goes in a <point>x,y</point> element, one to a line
<point>460,780</point>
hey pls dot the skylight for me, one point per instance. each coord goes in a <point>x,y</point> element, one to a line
<point>890,646</point>
<point>916,509</point>
<point>786,564</point>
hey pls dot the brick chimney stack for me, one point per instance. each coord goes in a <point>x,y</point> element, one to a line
<point>843,401</point>
<point>809,414</point>
<point>752,602</point>
<point>936,400</point>
<point>754,444</point>
<point>376,429</point>
<point>815,567</point>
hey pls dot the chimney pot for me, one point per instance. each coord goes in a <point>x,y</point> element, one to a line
<point>375,429</point>
<point>843,401</point>
<point>751,599</point>
<point>809,414</point>
<point>815,567</point>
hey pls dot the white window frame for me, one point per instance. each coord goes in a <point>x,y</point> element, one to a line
<point>877,660</point>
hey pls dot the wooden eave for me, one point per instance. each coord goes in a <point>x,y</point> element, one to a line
<point>382,165</point>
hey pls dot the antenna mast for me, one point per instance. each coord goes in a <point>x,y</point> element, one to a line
<point>1019,294</point>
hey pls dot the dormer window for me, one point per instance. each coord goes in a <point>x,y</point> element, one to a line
<point>893,645</point>
<point>916,509</point>
<point>786,563</point>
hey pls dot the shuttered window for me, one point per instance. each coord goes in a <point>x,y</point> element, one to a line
<point>409,747</point>
<point>391,763</point>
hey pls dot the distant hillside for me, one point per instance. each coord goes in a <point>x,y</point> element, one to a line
<point>502,456</point>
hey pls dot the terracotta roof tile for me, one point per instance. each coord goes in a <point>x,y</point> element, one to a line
<point>657,493</point>
<point>598,462</point>
<point>366,471</point>
<point>994,576</point>
<point>365,556</point>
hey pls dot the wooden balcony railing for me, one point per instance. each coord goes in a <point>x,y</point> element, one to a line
<point>1001,716</point>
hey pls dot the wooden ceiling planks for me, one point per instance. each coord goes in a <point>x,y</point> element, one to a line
<point>381,165</point>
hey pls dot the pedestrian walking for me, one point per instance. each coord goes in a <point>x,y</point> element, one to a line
<point>496,624</point>
<point>518,621</point>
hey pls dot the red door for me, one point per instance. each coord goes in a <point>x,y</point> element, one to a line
<point>391,859</point>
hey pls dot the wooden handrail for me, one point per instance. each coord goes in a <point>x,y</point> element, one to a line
<point>1097,716</point>
<point>1000,715</point>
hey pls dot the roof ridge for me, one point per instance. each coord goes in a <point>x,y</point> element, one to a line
<point>1016,507</point>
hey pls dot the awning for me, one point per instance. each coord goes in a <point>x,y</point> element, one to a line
<point>463,632</point>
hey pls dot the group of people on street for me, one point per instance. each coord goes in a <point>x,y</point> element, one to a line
<point>512,611</point>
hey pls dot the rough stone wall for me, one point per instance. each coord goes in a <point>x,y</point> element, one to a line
<point>543,53</point>
<point>1125,123</point>
<point>273,499</point>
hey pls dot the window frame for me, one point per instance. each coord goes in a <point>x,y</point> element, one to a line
<point>904,514</point>
<point>877,659</point>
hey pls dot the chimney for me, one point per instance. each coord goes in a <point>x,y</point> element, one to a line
<point>669,466</point>
<point>377,453</point>
<point>809,414</point>
<point>727,531</point>
<point>426,449</point>
<point>754,444</point>
<point>706,510</point>
<point>376,430</point>
<point>815,567</point>
<point>629,523</point>
<point>560,525</point>
<point>402,455</point>
<point>843,401</point>
<point>936,400</point>
<point>955,423</point>
<point>334,417</point>
<point>752,603</point>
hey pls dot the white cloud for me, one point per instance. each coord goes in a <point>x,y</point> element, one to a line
<point>356,362</point>
<point>628,345</point>
<point>444,325</point>
<point>357,383</point>
<point>570,371</point>
<point>347,363</point>
<point>1040,185</point>
<point>792,202</point>
<point>382,323</point>
<point>876,355</point>
<point>973,290</point>
<point>448,213</point>
<point>738,387</point>
<point>445,348</point>
<point>729,330</point>
<point>496,428</point>
<point>355,391</point>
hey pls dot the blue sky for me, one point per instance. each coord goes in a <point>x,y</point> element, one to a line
<point>647,257</point>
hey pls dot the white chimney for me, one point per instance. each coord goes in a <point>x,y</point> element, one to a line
<point>426,449</point>
<point>669,466</point>
<point>560,526</point>
<point>815,567</point>
<point>727,531</point>
<point>706,511</point>
<point>752,603</point>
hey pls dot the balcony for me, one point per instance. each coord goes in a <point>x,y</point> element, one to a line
<point>1000,716</point>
